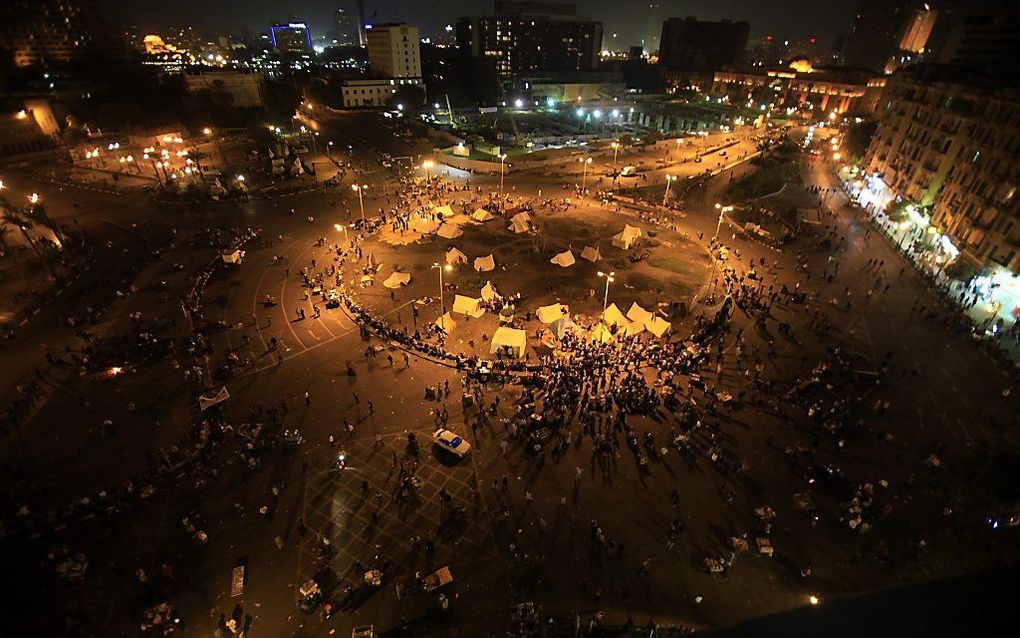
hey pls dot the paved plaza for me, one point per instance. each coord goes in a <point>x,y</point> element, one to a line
<point>813,426</point>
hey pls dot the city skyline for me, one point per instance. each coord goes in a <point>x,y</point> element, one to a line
<point>783,18</point>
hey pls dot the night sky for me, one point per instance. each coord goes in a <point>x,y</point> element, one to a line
<point>628,18</point>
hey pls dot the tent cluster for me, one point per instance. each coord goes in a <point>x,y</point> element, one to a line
<point>636,321</point>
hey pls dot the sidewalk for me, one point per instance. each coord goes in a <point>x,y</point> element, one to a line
<point>990,327</point>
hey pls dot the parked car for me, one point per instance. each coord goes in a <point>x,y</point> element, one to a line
<point>451,442</point>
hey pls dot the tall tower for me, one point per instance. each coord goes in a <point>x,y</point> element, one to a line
<point>653,29</point>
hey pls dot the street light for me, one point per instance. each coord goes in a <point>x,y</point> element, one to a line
<point>502,159</point>
<point>722,210</point>
<point>610,277</point>
<point>441,268</point>
<point>340,227</point>
<point>585,161</point>
<point>427,164</point>
<point>361,200</point>
<point>34,198</point>
<point>669,180</point>
<point>329,147</point>
<point>616,149</point>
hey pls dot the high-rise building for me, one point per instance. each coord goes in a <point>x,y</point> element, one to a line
<point>528,37</point>
<point>291,37</point>
<point>653,28</point>
<point>345,23</point>
<point>880,27</point>
<point>947,140</point>
<point>985,35</point>
<point>42,32</point>
<point>393,51</point>
<point>693,45</point>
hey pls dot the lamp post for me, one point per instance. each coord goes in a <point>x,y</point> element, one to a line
<point>722,210</point>
<point>441,268</point>
<point>427,165</point>
<point>585,161</point>
<point>669,179</point>
<point>340,227</point>
<point>610,277</point>
<point>502,159</point>
<point>329,148</point>
<point>616,150</point>
<point>361,201</point>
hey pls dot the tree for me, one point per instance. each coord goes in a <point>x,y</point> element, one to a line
<point>857,139</point>
<point>408,95</point>
<point>23,224</point>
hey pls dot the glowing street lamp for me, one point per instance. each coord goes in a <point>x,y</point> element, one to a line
<point>427,165</point>
<point>361,201</point>
<point>585,161</point>
<point>669,179</point>
<point>610,277</point>
<point>722,210</point>
<point>33,198</point>
<point>441,268</point>
<point>340,227</point>
<point>616,149</point>
<point>502,159</point>
<point>207,131</point>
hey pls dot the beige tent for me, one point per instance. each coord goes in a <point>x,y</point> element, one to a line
<point>444,211</point>
<point>612,316</point>
<point>454,257</point>
<point>627,237</point>
<point>423,226</point>
<point>489,292</point>
<point>638,314</point>
<point>446,323</point>
<point>468,306</point>
<point>631,328</point>
<point>658,326</point>
<point>397,279</point>
<point>481,215</point>
<point>562,326</point>
<point>564,260</point>
<point>485,264</point>
<point>450,231</point>
<point>515,340</point>
<point>457,220</point>
<point>520,223</point>
<point>549,314</point>
<point>601,333</point>
<point>591,254</point>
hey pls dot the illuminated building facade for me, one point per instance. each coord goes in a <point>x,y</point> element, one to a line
<point>529,37</point>
<point>946,142</point>
<point>41,32</point>
<point>291,38</point>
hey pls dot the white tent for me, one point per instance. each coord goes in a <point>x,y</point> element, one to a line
<point>446,323</point>
<point>481,215</point>
<point>562,326</point>
<point>454,257</point>
<point>485,264</point>
<point>489,292</point>
<point>612,316</point>
<point>638,314</point>
<point>564,260</point>
<point>549,314</point>
<point>397,279</point>
<point>423,226</point>
<point>444,211</point>
<point>511,338</point>
<point>232,256</point>
<point>631,328</point>
<point>591,254</point>
<point>457,220</point>
<point>468,306</point>
<point>450,231</point>
<point>601,333</point>
<point>520,223</point>
<point>627,237</point>
<point>658,326</point>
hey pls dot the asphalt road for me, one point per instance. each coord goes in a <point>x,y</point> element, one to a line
<point>945,399</point>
